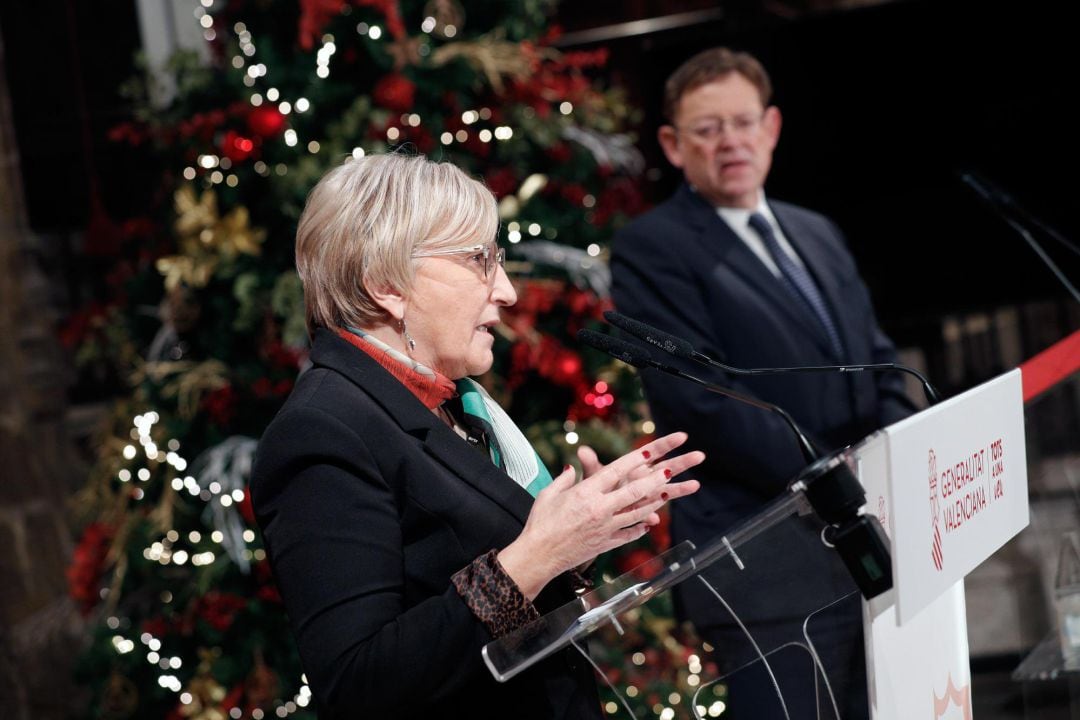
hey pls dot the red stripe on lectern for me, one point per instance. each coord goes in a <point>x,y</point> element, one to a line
<point>1051,366</point>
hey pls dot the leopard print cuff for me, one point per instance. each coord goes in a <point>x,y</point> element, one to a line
<point>580,582</point>
<point>493,596</point>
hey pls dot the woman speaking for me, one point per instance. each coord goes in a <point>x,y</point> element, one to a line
<point>408,520</point>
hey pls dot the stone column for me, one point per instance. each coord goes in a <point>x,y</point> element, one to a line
<point>39,627</point>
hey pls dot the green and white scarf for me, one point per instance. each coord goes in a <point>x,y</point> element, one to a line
<point>507,445</point>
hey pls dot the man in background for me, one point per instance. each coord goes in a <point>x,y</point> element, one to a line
<point>754,282</point>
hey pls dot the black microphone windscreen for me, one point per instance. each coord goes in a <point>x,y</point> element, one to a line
<point>638,357</point>
<point>665,341</point>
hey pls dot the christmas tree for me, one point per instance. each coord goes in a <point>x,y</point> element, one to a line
<point>199,319</point>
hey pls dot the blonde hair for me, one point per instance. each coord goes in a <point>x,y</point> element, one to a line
<point>366,218</point>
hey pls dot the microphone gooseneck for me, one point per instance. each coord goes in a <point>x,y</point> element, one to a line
<point>682,348</point>
<point>827,482</point>
<point>1006,208</point>
<point>642,357</point>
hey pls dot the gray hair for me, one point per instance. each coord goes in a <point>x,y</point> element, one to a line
<point>364,221</point>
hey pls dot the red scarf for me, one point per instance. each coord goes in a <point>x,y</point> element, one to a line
<point>430,391</point>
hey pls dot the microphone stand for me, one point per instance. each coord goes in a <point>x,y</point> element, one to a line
<point>827,483</point>
<point>682,348</point>
<point>640,357</point>
<point>1002,203</point>
<point>809,452</point>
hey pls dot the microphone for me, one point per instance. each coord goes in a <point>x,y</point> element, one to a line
<point>683,349</point>
<point>641,357</point>
<point>1005,207</point>
<point>827,482</point>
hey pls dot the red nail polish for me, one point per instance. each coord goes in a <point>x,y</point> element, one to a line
<point>667,473</point>
<point>566,467</point>
<point>663,496</point>
<point>646,454</point>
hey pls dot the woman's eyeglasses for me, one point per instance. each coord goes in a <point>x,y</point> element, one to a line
<point>487,257</point>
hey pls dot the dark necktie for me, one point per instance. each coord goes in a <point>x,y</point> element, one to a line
<point>798,281</point>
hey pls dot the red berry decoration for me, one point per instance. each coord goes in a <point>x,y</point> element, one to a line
<point>236,147</point>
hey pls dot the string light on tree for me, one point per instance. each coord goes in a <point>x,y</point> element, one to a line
<point>322,57</point>
<point>513,232</point>
<point>206,21</point>
<point>230,133</point>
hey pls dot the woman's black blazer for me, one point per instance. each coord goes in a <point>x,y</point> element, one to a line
<point>368,503</point>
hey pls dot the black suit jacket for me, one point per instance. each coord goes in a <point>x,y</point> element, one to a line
<point>681,268</point>
<point>368,504</point>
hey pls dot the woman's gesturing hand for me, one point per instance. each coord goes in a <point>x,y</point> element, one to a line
<point>573,522</point>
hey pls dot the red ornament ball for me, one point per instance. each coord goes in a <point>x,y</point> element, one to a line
<point>266,121</point>
<point>394,92</point>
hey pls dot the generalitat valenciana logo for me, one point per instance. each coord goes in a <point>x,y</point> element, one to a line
<point>936,555</point>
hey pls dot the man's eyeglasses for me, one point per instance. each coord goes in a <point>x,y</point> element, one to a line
<point>711,130</point>
<point>486,257</point>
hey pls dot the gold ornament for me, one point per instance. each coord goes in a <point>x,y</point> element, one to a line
<point>120,698</point>
<point>492,56</point>
<point>206,239</point>
<point>188,381</point>
<point>206,692</point>
<point>405,51</point>
<point>261,686</point>
<point>449,17</point>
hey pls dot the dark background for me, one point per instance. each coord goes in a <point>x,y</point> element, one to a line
<point>883,104</point>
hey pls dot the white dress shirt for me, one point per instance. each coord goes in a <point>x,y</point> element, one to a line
<point>738,219</point>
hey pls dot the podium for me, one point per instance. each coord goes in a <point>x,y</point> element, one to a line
<point>944,489</point>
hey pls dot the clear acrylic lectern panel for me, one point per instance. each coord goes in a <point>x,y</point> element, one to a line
<point>771,607</point>
<point>1048,682</point>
